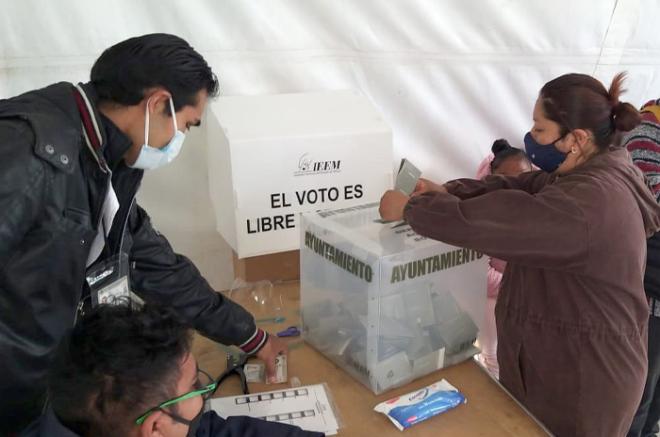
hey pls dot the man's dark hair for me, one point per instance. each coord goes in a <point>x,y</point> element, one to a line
<point>126,70</point>
<point>114,365</point>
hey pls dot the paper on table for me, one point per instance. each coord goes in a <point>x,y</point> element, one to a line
<point>308,407</point>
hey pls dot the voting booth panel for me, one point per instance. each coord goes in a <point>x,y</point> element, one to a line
<point>384,303</point>
<point>272,157</point>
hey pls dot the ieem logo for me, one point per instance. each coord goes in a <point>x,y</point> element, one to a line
<point>308,166</point>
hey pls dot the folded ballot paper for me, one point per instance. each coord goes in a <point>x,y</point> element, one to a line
<point>406,181</point>
<point>407,178</point>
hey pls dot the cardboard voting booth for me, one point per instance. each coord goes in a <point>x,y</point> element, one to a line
<point>272,157</point>
<point>384,303</point>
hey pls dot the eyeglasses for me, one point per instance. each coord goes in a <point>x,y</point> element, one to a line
<point>205,387</point>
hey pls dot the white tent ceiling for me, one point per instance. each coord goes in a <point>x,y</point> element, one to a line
<point>449,76</point>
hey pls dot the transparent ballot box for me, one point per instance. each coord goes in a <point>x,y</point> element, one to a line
<point>384,303</point>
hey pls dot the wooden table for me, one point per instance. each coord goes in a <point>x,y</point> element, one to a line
<point>489,411</point>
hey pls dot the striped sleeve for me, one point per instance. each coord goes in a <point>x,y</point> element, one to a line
<point>643,143</point>
<point>254,344</point>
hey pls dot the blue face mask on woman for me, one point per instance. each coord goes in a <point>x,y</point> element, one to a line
<point>152,157</point>
<point>544,156</point>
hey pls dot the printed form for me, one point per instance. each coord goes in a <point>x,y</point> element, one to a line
<point>307,407</point>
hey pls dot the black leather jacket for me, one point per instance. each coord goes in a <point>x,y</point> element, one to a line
<point>51,195</point>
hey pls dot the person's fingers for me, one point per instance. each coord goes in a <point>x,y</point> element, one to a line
<point>273,347</point>
<point>382,208</point>
<point>270,366</point>
<point>279,346</point>
<point>422,186</point>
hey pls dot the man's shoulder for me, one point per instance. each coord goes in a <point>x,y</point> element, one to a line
<point>43,123</point>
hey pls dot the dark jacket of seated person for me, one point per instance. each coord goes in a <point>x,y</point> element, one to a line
<point>130,372</point>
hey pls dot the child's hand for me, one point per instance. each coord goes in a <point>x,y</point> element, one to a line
<point>425,185</point>
<point>392,204</point>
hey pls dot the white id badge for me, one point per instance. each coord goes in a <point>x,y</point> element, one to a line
<point>109,284</point>
<point>114,293</point>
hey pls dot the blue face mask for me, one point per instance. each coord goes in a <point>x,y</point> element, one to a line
<point>151,157</point>
<point>544,156</point>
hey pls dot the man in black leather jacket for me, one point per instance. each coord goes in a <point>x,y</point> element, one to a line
<point>71,161</point>
<point>130,372</point>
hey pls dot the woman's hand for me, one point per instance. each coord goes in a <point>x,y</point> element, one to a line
<point>392,204</point>
<point>425,185</point>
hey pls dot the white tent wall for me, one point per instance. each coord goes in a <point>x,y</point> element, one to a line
<point>448,76</point>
